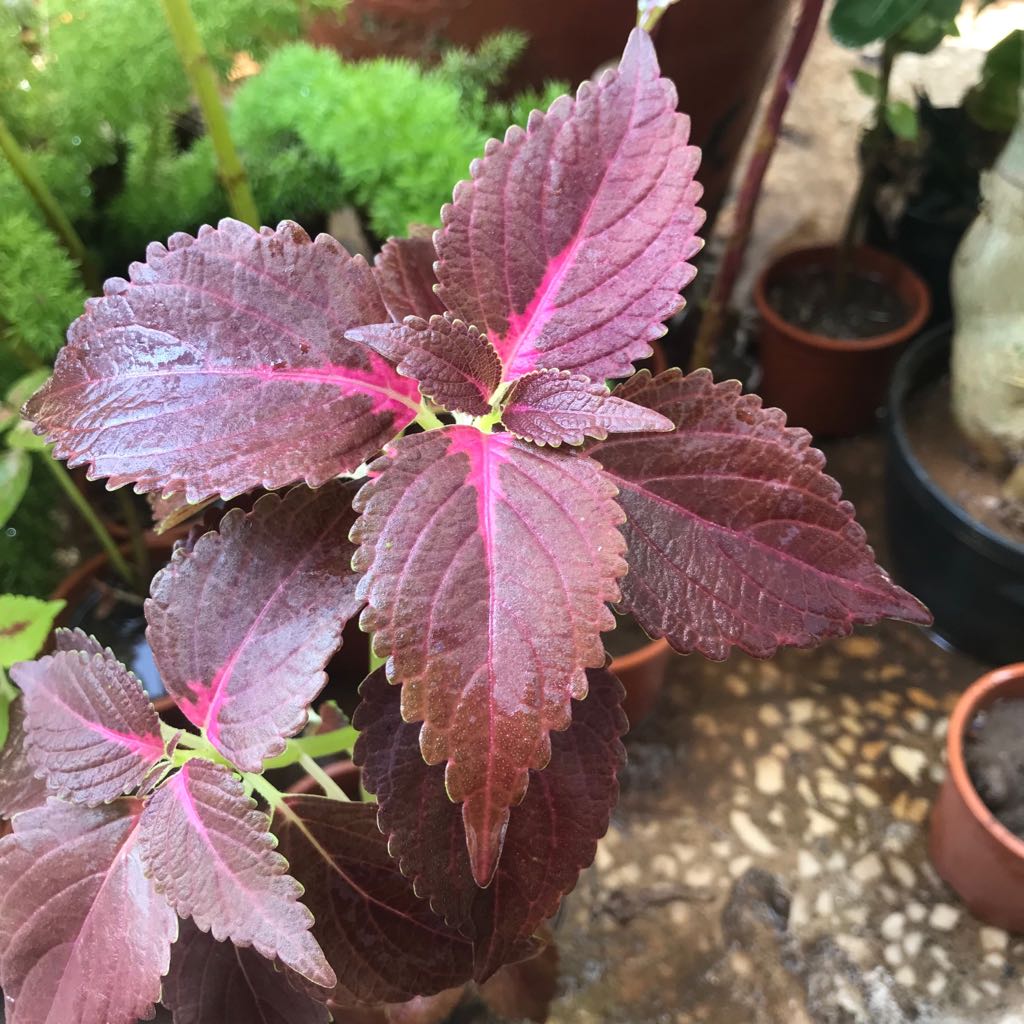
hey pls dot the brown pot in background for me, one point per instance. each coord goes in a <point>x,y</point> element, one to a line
<point>718,52</point>
<point>833,387</point>
<point>977,855</point>
<point>642,674</point>
<point>74,587</point>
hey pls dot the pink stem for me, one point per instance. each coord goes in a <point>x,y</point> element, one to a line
<point>753,178</point>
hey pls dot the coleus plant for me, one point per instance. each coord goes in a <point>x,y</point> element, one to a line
<point>516,497</point>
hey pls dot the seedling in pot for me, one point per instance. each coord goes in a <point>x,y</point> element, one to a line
<point>481,548</point>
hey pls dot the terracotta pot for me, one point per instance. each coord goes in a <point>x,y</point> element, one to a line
<point>833,386</point>
<point>979,857</point>
<point>719,53</point>
<point>642,674</point>
<point>74,587</point>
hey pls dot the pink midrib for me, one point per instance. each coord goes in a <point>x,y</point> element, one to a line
<point>484,460</point>
<point>148,747</point>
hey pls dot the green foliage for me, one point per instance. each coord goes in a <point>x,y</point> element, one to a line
<point>994,103</point>
<point>25,622</point>
<point>317,133</point>
<point>40,289</point>
<point>902,120</point>
<point>15,473</point>
<point>856,23</point>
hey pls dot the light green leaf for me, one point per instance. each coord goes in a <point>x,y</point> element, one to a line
<point>867,83</point>
<point>25,623</point>
<point>902,119</point>
<point>15,472</point>
<point>855,23</point>
<point>23,437</point>
<point>5,708</point>
<point>994,103</point>
<point>25,387</point>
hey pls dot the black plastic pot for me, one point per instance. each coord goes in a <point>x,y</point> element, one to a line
<point>971,578</point>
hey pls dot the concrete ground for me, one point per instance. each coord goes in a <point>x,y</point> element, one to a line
<point>767,861</point>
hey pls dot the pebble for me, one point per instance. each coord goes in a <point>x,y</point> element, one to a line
<point>777,816</point>
<point>830,788</point>
<point>941,957</point>
<point>683,852</point>
<point>740,864</point>
<point>858,950</point>
<point>798,738</point>
<point>902,872</point>
<point>807,865</point>
<point>908,761</point>
<point>819,824</point>
<point>908,808</point>
<point>847,744</point>
<point>801,710</point>
<point>916,719</point>
<point>893,954</point>
<point>866,796</point>
<point>916,912</point>
<point>627,875</point>
<point>944,917</point>
<point>722,849</point>
<point>768,775</point>
<point>736,685</point>
<point>679,914</point>
<point>833,757</point>
<point>906,977</point>
<point>750,738</point>
<point>770,716</point>
<point>922,699</point>
<point>867,869</point>
<point>995,960</point>
<point>873,749</point>
<point>837,862</point>
<point>803,787</point>
<point>861,647</point>
<point>912,943</point>
<point>824,904</point>
<point>663,864</point>
<point>799,913</point>
<point>892,927</point>
<point>993,939</point>
<point>937,984</point>
<point>699,876</point>
<point>851,725</point>
<point>751,836</point>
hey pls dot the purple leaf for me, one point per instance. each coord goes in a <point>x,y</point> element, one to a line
<point>77,640</point>
<point>736,535</point>
<point>90,729</point>
<point>221,366</point>
<point>488,564</point>
<point>404,270</point>
<point>213,982</point>
<point>19,787</point>
<point>279,586</point>
<point>209,852</point>
<point>385,943</point>
<point>552,406</point>
<point>456,367</point>
<point>569,244</point>
<point>552,835</point>
<point>84,938</point>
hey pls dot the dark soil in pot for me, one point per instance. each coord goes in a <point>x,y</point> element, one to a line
<point>952,465</point>
<point>864,307</point>
<point>994,752</point>
<point>969,574</point>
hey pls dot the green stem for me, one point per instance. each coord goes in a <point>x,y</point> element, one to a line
<point>51,210</point>
<point>140,553</point>
<point>7,688</point>
<point>321,778</point>
<point>427,419</point>
<point>203,80</point>
<point>322,745</point>
<point>84,509</point>
<point>270,793</point>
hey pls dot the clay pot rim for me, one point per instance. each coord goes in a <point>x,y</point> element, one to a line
<point>648,652</point>
<point>889,265</point>
<point>905,377</point>
<point>982,693</point>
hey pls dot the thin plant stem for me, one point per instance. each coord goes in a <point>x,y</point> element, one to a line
<point>427,419</point>
<point>713,320</point>
<point>321,778</point>
<point>52,212</point>
<point>874,146</point>
<point>323,744</point>
<point>85,510</point>
<point>269,792</point>
<point>140,553</point>
<point>203,79</point>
